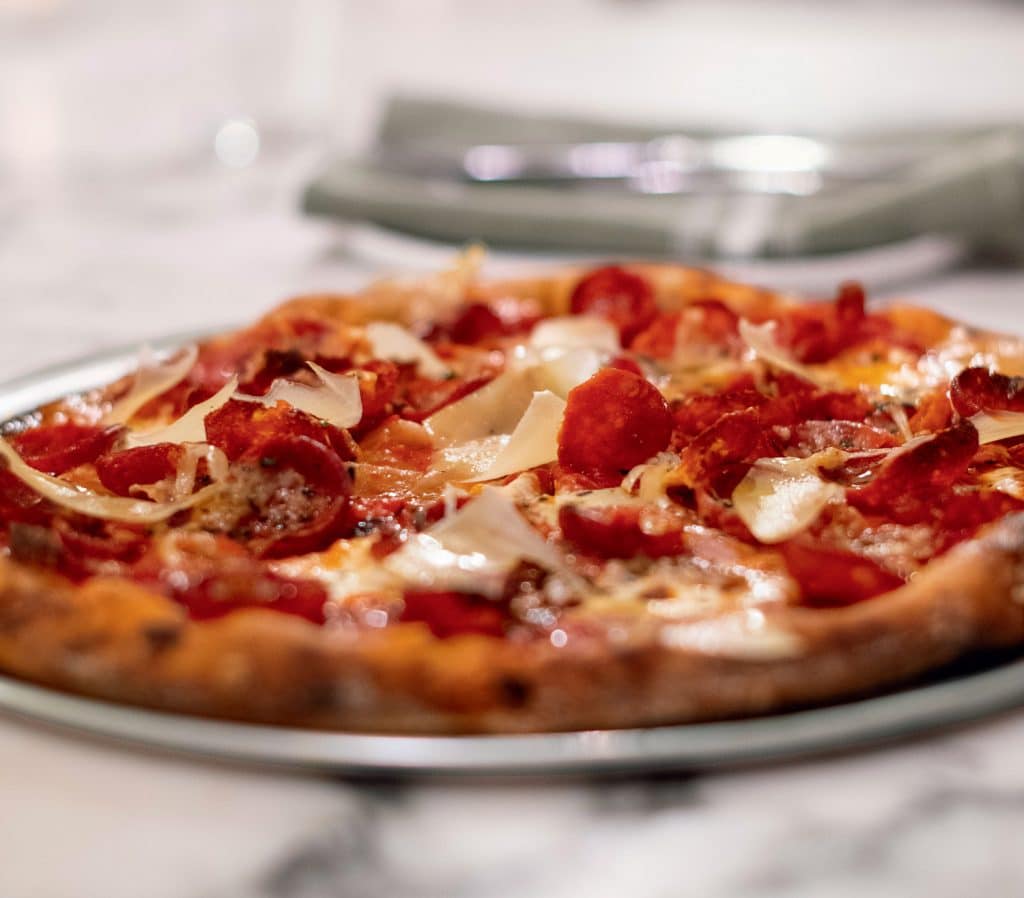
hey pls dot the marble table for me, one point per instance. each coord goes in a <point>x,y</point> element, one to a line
<point>122,218</point>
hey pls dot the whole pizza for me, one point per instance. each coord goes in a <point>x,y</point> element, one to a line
<point>623,496</point>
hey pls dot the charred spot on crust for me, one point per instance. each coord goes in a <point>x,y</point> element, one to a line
<point>161,636</point>
<point>33,544</point>
<point>514,692</point>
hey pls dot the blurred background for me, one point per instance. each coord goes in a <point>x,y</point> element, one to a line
<point>154,157</point>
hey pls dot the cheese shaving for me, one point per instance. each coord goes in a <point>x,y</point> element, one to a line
<point>95,505</point>
<point>998,425</point>
<point>152,378</point>
<point>190,427</point>
<point>780,497</point>
<point>475,549</point>
<point>761,339</point>
<point>554,337</point>
<point>337,401</point>
<point>533,442</point>
<point>393,342</point>
<point>497,408</point>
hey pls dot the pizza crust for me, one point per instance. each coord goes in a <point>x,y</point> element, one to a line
<point>112,639</point>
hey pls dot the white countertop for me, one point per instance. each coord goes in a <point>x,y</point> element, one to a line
<point>117,223</point>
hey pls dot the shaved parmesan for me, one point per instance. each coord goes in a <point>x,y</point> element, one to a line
<point>534,441</point>
<point>151,380</point>
<point>497,408</point>
<point>566,372</point>
<point>761,339</point>
<point>95,505</point>
<point>393,342</point>
<point>999,425</point>
<point>493,409</point>
<point>781,497</point>
<point>554,337</point>
<point>474,549</point>
<point>190,427</point>
<point>337,401</point>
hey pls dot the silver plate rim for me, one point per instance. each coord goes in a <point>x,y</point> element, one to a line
<point>856,724</point>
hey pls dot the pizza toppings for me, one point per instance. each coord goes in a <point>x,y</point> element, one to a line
<point>555,337</point>
<point>781,497</point>
<point>394,343</point>
<point>613,422</point>
<point>830,576</point>
<point>87,502</point>
<point>635,444</point>
<point>978,389</point>
<point>56,448</point>
<point>151,380</point>
<point>762,340</point>
<point>623,298</point>
<point>534,441</point>
<point>474,549</point>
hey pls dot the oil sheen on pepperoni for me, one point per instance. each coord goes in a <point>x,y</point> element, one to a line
<point>613,422</point>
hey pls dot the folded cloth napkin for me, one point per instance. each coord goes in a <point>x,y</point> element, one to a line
<point>968,183</point>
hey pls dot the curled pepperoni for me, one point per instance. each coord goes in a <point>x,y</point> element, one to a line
<point>719,458</point>
<point>819,332</point>
<point>830,576</point>
<point>704,321</point>
<point>277,363</point>
<point>910,486</point>
<point>298,517</point>
<point>56,448</point>
<point>120,471</point>
<point>977,389</point>
<point>238,425</point>
<point>695,412</point>
<point>613,422</point>
<point>622,532</point>
<point>454,613</point>
<point>624,298</point>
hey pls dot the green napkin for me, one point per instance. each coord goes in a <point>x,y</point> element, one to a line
<point>970,184</point>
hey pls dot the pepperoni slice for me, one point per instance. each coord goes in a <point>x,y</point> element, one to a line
<point>708,321</point>
<point>613,422</point>
<point>56,448</point>
<point>622,532</point>
<point>819,332</point>
<point>977,389</point>
<point>298,517</point>
<point>120,471</point>
<point>450,614</point>
<point>831,577</point>
<point>238,425</point>
<point>624,298</point>
<point>719,458</point>
<point>909,488</point>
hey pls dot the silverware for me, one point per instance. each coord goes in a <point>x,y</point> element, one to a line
<point>746,163</point>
